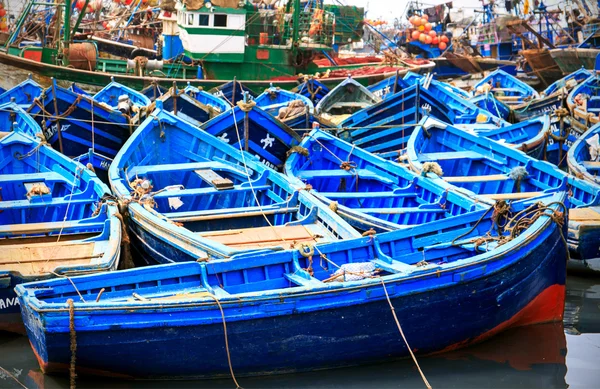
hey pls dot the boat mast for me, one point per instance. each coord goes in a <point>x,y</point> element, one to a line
<point>67,30</point>
<point>19,25</point>
<point>296,24</point>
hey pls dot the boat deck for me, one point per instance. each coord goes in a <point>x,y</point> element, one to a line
<point>43,258</point>
<point>270,236</point>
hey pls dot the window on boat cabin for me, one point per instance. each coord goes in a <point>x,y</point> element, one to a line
<point>203,19</point>
<point>220,20</point>
<point>190,20</point>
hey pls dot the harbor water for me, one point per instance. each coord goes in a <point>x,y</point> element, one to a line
<point>559,355</point>
<point>540,356</point>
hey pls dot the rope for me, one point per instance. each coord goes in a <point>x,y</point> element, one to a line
<point>393,310</point>
<point>237,385</point>
<point>63,115</point>
<point>297,150</point>
<point>72,283</point>
<point>73,344</point>
<point>246,107</point>
<point>77,170</point>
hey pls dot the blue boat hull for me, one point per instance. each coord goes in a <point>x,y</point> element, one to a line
<point>297,333</point>
<point>543,106</point>
<point>105,130</point>
<point>10,310</point>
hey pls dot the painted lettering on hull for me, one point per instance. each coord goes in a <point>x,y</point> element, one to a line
<point>8,302</point>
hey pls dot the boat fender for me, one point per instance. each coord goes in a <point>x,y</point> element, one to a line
<point>432,167</point>
<point>154,64</point>
<point>124,104</point>
<point>354,272</point>
<point>299,150</point>
<point>131,64</point>
<point>594,147</point>
<point>517,174</point>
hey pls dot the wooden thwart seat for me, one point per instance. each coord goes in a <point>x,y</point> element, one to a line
<point>263,237</point>
<point>212,178</point>
<point>36,228</point>
<point>45,257</point>
<point>449,155</point>
<point>228,213</point>
<point>591,165</point>
<point>485,178</point>
<point>512,196</point>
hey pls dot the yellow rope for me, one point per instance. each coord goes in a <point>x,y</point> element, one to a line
<point>387,296</point>
<point>73,344</point>
<point>226,340</point>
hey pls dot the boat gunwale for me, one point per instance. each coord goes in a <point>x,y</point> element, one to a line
<point>496,254</point>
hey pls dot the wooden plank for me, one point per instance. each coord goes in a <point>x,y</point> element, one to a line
<point>18,229</point>
<point>287,236</point>
<point>228,213</point>
<point>38,259</point>
<point>212,178</point>
<point>485,178</point>
<point>591,165</point>
<point>512,196</point>
<point>448,155</point>
<point>584,214</point>
<point>509,97</point>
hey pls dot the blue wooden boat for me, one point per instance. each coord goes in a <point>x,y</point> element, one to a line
<point>124,99</point>
<point>347,98</point>
<point>77,89</point>
<point>14,118</point>
<point>384,128</point>
<point>528,136</point>
<point>560,139</point>
<point>492,105</point>
<point>496,172</point>
<point>73,123</point>
<point>256,132</point>
<point>389,86</point>
<point>313,89</point>
<point>23,94</point>
<point>368,191</point>
<point>191,197</point>
<point>192,104</point>
<point>166,321</point>
<point>552,98</point>
<point>207,98</point>
<point>232,92</point>
<point>411,78</point>
<point>583,157</point>
<point>293,109</point>
<point>55,219</point>
<point>584,102</point>
<point>506,88</point>
<point>570,81</point>
<point>154,91</point>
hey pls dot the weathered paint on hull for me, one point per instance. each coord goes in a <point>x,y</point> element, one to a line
<point>538,107</point>
<point>584,233</point>
<point>570,60</point>
<point>278,336</point>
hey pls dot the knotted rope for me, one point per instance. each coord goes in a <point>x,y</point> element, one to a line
<point>73,344</point>
<point>246,106</point>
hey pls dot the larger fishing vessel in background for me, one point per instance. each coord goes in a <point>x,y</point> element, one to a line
<point>205,43</point>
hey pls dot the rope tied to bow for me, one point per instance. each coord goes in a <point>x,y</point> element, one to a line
<point>348,165</point>
<point>72,344</point>
<point>432,167</point>
<point>297,150</point>
<point>246,106</point>
<point>518,174</point>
